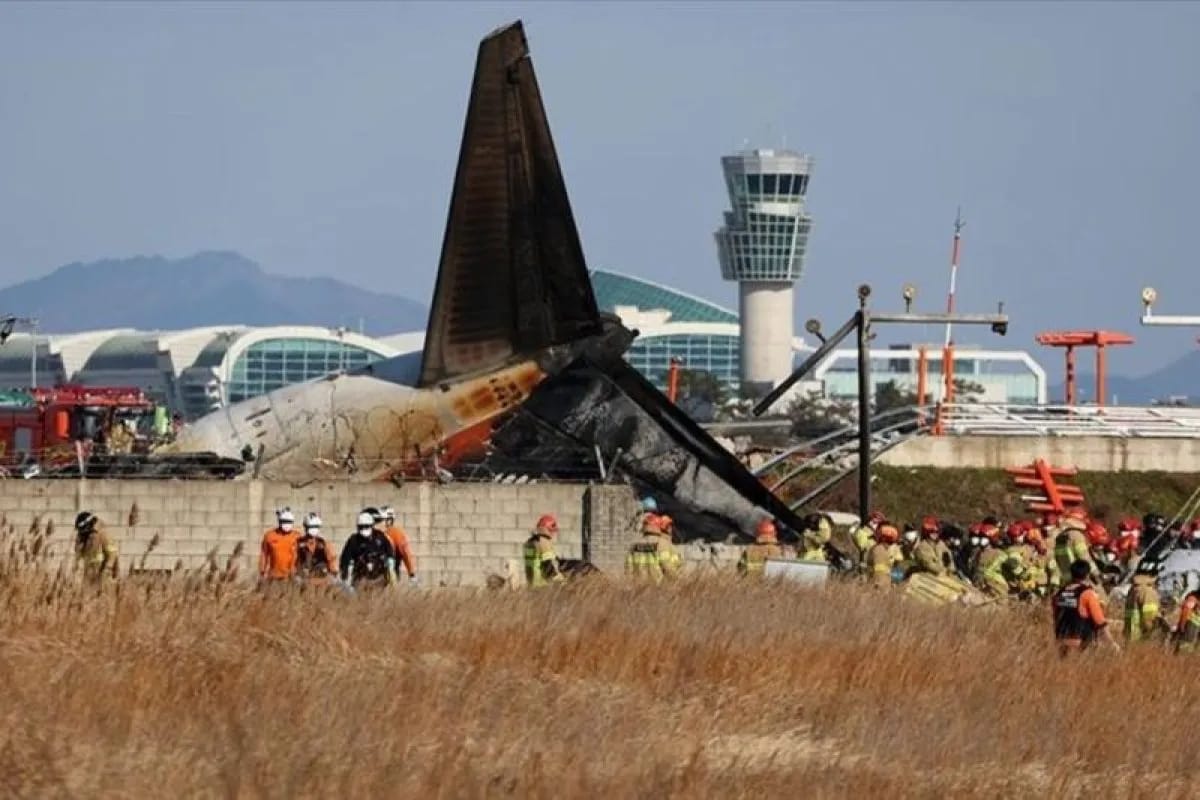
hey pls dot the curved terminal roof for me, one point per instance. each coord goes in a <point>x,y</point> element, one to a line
<point>614,289</point>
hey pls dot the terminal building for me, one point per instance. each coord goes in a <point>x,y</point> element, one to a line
<point>193,371</point>
<point>1003,377</point>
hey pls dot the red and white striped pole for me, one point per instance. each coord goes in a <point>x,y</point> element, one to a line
<point>948,349</point>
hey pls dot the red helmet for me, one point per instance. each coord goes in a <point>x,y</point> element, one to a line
<point>1097,534</point>
<point>1016,532</point>
<point>930,526</point>
<point>990,531</point>
<point>887,533</point>
<point>766,531</point>
<point>1129,527</point>
<point>876,518</point>
<point>547,523</point>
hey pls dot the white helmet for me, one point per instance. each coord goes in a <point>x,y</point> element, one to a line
<point>285,518</point>
<point>365,521</point>
<point>389,513</point>
<point>910,536</point>
<point>313,521</point>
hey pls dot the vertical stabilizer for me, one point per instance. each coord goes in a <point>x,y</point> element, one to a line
<point>512,278</point>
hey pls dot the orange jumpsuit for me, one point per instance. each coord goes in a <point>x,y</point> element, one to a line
<point>277,560</point>
<point>399,540</point>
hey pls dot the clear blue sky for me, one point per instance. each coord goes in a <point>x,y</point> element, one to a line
<point>321,140</point>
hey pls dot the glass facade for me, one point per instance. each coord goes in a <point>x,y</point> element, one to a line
<point>1003,381</point>
<point>765,235</point>
<point>714,353</point>
<point>273,363</point>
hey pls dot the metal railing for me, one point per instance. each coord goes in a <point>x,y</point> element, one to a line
<point>984,419</point>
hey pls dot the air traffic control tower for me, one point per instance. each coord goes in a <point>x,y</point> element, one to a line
<point>761,246</point>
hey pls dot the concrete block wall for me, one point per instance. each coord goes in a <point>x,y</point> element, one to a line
<point>460,533</point>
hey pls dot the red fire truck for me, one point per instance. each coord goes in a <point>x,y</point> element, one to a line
<point>53,427</point>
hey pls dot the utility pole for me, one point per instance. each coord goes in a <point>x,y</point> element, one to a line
<point>861,323</point>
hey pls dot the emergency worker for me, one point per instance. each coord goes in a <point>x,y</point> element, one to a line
<point>882,556</point>
<point>368,559</point>
<point>1071,544</point>
<point>989,572</point>
<point>957,542</point>
<point>815,535</point>
<point>766,545</point>
<point>315,560</point>
<point>908,543</point>
<point>1129,538</point>
<point>399,541</point>
<point>278,554</point>
<point>864,536</point>
<point>1078,614</point>
<point>654,558</point>
<point>931,554</point>
<point>1187,626</point>
<point>1154,525</point>
<point>541,562</point>
<point>1142,607</point>
<point>1020,550</point>
<point>94,548</point>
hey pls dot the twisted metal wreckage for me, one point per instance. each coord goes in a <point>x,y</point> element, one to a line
<point>519,367</point>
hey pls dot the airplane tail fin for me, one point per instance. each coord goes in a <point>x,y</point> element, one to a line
<point>512,278</point>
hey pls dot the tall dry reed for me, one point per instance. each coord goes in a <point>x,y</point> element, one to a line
<point>198,685</point>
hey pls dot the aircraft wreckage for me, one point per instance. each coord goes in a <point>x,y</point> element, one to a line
<point>520,371</point>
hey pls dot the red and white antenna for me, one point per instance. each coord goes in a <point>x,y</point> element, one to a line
<point>948,350</point>
<point>954,252</point>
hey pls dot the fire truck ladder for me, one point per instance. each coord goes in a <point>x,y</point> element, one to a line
<point>1056,496</point>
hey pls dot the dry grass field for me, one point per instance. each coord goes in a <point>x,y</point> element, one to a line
<point>193,687</point>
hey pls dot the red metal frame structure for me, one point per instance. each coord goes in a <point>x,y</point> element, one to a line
<point>1100,340</point>
<point>1056,496</point>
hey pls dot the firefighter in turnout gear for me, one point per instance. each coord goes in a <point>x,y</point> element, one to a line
<point>883,555</point>
<point>654,558</point>
<point>368,558</point>
<point>1142,607</point>
<point>766,545</point>
<point>989,566</point>
<point>541,562</point>
<point>1071,544</point>
<point>931,554</point>
<point>94,549</point>
<point>1022,552</point>
<point>316,561</point>
<point>818,530</point>
<point>864,537</point>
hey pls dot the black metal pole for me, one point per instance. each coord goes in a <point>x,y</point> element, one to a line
<point>863,323</point>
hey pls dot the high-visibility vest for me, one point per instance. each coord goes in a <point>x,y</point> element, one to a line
<point>754,557</point>
<point>642,561</point>
<point>535,563</point>
<point>1139,616</point>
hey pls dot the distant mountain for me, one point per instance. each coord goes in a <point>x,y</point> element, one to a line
<point>1180,378</point>
<point>209,288</point>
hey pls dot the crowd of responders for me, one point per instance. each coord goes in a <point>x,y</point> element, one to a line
<point>1069,560</point>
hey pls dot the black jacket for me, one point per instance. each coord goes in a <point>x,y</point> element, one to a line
<point>368,555</point>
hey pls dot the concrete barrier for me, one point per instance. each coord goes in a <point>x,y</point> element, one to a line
<point>460,533</point>
<point>1090,453</point>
